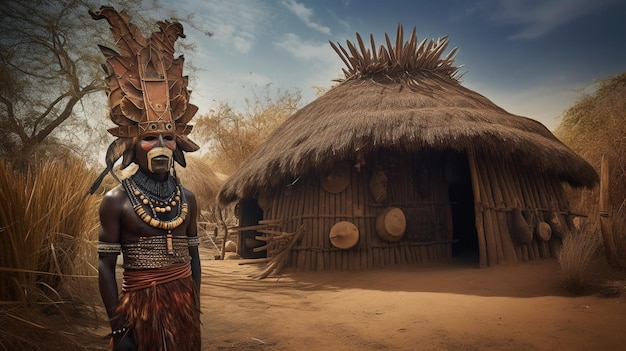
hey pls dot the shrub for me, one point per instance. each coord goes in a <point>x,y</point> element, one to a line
<point>576,255</point>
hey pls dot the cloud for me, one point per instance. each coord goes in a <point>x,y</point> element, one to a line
<point>226,86</point>
<point>307,51</point>
<point>321,67</point>
<point>305,14</point>
<point>235,24</point>
<point>536,18</point>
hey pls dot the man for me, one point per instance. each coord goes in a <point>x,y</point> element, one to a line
<point>150,218</point>
<point>153,219</point>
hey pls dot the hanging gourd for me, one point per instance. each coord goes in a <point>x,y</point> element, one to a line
<point>391,224</point>
<point>519,227</point>
<point>543,231</point>
<point>378,186</point>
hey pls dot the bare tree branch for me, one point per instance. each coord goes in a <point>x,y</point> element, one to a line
<point>50,63</point>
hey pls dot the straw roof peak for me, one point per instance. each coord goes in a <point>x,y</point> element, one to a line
<point>397,60</point>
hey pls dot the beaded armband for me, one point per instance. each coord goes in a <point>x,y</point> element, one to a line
<point>109,248</point>
<point>193,241</point>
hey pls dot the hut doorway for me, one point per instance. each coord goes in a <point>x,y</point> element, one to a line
<point>249,214</point>
<point>464,235</point>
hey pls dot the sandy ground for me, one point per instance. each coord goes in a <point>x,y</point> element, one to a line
<point>448,306</point>
<point>452,306</point>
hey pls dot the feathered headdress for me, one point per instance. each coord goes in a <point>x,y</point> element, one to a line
<point>146,89</point>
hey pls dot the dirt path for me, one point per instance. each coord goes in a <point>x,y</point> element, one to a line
<point>442,307</point>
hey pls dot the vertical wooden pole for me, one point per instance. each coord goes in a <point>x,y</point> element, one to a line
<point>488,186</point>
<point>544,197</point>
<point>531,188</point>
<point>478,209</point>
<point>489,223</point>
<point>502,196</point>
<point>606,225</point>
<point>604,187</point>
<point>528,202</point>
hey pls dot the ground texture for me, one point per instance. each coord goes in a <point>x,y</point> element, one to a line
<point>448,306</point>
<point>452,306</point>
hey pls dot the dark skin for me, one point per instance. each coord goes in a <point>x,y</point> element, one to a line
<point>120,224</point>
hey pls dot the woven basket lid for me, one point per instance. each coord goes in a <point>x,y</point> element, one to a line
<point>391,224</point>
<point>337,179</point>
<point>344,235</point>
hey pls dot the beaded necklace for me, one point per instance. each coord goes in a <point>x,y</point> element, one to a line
<point>161,197</point>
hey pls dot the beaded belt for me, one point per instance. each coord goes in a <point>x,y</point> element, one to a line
<point>156,252</point>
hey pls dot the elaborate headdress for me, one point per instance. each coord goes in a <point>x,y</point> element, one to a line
<point>146,89</point>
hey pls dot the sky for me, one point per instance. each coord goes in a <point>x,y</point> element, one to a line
<point>533,58</point>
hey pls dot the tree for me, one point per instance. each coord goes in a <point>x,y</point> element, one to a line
<point>50,66</point>
<point>595,127</point>
<point>42,60</point>
<point>231,135</point>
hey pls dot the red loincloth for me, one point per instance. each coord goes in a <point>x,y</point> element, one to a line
<point>162,309</point>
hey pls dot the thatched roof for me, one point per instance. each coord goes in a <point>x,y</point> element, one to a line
<point>389,102</point>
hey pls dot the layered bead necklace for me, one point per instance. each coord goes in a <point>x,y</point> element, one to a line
<point>161,197</point>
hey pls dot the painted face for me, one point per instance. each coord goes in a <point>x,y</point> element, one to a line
<point>154,152</point>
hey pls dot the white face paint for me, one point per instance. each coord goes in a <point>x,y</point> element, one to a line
<point>154,152</point>
<point>159,159</point>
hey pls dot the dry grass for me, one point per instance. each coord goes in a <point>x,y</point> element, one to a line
<point>576,256</point>
<point>584,268</point>
<point>47,261</point>
<point>619,230</point>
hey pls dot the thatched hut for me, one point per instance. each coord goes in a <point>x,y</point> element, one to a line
<point>399,163</point>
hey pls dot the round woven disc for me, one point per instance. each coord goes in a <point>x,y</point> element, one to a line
<point>337,179</point>
<point>344,235</point>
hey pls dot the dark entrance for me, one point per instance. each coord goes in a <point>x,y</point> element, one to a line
<point>249,214</point>
<point>464,234</point>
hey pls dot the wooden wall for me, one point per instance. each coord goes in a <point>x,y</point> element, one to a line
<point>501,187</point>
<point>419,185</point>
<point>415,185</point>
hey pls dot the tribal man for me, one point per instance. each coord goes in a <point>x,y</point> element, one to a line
<point>150,218</point>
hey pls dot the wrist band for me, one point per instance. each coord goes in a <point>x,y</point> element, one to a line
<point>118,332</point>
